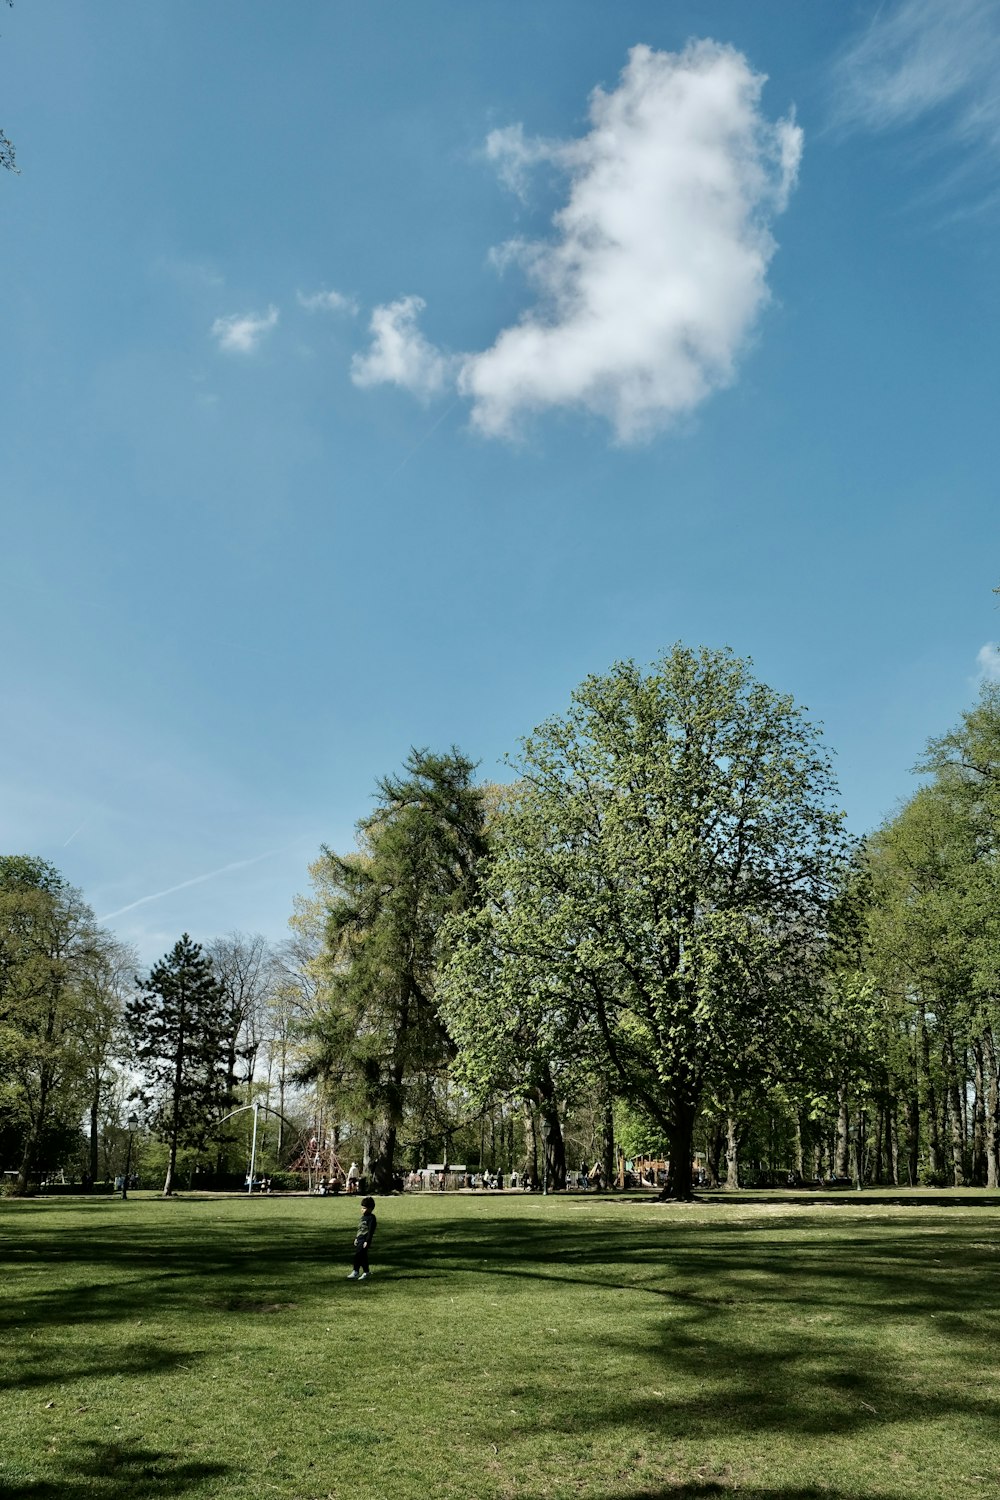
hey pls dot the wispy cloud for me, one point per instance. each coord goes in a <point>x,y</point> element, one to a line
<point>922,56</point>
<point>324,301</point>
<point>241,333</point>
<point>399,353</point>
<point>239,864</point>
<point>988,661</point>
<point>656,271</point>
<point>198,274</point>
<point>515,156</point>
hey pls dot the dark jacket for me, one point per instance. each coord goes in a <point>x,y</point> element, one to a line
<point>366,1230</point>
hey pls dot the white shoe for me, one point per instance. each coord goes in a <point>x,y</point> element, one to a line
<point>363,1276</point>
<point>352,1276</point>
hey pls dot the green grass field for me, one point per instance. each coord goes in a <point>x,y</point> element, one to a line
<point>505,1346</point>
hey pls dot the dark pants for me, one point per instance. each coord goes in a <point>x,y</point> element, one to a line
<point>361,1257</point>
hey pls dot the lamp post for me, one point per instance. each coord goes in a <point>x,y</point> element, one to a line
<point>133,1125</point>
<point>545,1156</point>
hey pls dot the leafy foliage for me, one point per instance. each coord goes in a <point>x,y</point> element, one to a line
<point>663,883</point>
<point>379,1044</point>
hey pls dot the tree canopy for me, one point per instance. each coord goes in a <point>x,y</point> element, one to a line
<point>665,878</point>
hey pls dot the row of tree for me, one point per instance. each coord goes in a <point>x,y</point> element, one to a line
<point>656,940</point>
<point>661,926</point>
<point>84,1040</point>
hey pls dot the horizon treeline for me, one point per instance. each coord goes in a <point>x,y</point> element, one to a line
<point>656,941</point>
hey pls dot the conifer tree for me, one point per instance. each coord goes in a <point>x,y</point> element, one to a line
<point>378,1042</point>
<point>176,1021</point>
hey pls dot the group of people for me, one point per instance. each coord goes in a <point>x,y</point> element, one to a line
<point>339,1183</point>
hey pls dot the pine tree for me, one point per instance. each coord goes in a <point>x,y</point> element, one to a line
<point>378,1043</point>
<point>177,1025</point>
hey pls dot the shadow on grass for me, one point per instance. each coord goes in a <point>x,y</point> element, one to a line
<point>110,1471</point>
<point>27,1366</point>
<point>789,1325</point>
<point>707,1491</point>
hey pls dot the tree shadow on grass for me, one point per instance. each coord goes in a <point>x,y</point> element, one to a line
<point>796,1334</point>
<point>29,1366</point>
<point>751,1326</point>
<point>112,1471</point>
<point>752,1492</point>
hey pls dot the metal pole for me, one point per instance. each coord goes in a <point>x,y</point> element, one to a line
<point>253,1147</point>
<point>133,1126</point>
<point>128,1167</point>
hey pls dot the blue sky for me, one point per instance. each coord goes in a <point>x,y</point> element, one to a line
<point>369,380</point>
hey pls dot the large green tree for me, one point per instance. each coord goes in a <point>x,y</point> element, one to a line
<point>666,876</point>
<point>51,954</point>
<point>178,1024</point>
<point>934,953</point>
<point>378,1042</point>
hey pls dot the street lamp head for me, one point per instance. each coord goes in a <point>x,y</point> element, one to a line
<point>133,1122</point>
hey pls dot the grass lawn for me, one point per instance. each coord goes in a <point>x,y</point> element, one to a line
<point>505,1346</point>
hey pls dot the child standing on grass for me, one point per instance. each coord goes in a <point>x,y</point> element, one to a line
<point>363,1240</point>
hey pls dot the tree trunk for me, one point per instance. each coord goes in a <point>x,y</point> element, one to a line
<point>992,1110</point>
<point>715,1153</point>
<point>608,1143</point>
<point>382,1166</point>
<point>842,1160</point>
<point>555,1148</point>
<point>28,1156</point>
<point>533,1132</point>
<point>957,1131</point>
<point>930,1095</point>
<point>732,1181</point>
<point>168,1181</point>
<point>679,1183</point>
<point>912,1138</point>
<point>978,1116</point>
<point>94,1164</point>
<point>892,1139</point>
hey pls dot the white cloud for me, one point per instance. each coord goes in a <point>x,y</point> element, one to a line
<point>657,269</point>
<point>400,354</point>
<point>324,301</point>
<point>988,661</point>
<point>242,332</point>
<point>926,55</point>
<point>650,284</point>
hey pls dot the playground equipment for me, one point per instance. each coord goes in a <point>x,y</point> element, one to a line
<point>258,1109</point>
<point>319,1156</point>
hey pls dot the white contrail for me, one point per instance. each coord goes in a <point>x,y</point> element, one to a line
<point>76,831</point>
<point>420,442</point>
<point>237,864</point>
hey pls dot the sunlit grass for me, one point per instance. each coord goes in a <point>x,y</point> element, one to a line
<point>506,1346</point>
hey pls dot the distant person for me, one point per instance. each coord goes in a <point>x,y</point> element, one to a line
<point>352,1177</point>
<point>363,1240</point>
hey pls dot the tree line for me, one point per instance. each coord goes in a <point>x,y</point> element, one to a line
<point>657,940</point>
<point>85,1041</point>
